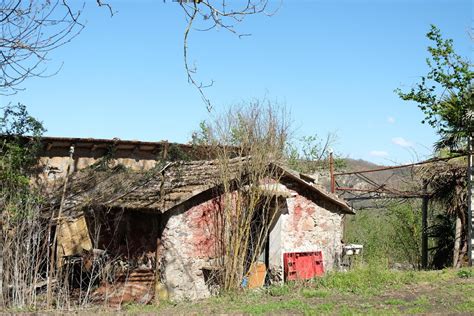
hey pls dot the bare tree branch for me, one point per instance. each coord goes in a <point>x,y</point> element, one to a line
<point>215,15</point>
<point>29,31</point>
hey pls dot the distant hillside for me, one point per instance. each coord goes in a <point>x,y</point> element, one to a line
<point>359,164</point>
<point>396,179</point>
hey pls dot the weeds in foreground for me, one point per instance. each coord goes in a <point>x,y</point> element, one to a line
<point>465,273</point>
<point>364,291</point>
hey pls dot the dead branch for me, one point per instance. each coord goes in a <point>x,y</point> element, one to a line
<point>216,14</point>
<point>30,30</point>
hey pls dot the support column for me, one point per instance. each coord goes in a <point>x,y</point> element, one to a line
<point>424,228</point>
<point>470,197</point>
<point>2,302</point>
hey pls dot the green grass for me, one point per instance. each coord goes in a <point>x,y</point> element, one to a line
<point>395,301</point>
<point>305,292</point>
<point>324,308</point>
<point>421,301</point>
<point>368,280</point>
<point>467,306</point>
<point>367,290</point>
<point>270,307</point>
<point>364,291</point>
<point>279,290</point>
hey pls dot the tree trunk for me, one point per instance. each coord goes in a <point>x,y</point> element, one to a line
<point>457,243</point>
<point>2,302</point>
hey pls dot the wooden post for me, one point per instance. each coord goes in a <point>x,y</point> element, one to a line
<point>424,227</point>
<point>161,290</point>
<point>2,302</point>
<point>52,258</point>
<point>470,197</point>
<point>165,150</point>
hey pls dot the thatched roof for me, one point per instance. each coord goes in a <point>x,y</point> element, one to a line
<point>163,188</point>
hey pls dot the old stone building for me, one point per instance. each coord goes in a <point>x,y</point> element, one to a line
<point>156,216</point>
<point>136,155</point>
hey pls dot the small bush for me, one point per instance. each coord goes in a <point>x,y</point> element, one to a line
<point>465,273</point>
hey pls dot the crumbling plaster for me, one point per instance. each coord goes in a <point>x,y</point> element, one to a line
<point>54,168</point>
<point>189,241</point>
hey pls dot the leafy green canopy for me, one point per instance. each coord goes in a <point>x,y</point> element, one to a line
<point>18,153</point>
<point>445,94</point>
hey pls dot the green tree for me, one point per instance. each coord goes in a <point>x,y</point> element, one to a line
<point>310,154</point>
<point>445,94</point>
<point>17,152</point>
<point>21,231</point>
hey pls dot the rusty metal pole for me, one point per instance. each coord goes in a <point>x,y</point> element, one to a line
<point>331,170</point>
<point>424,227</point>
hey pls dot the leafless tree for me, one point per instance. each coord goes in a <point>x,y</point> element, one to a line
<point>249,194</point>
<point>216,14</point>
<point>30,30</point>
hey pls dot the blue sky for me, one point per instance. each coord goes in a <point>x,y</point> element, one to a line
<point>334,64</point>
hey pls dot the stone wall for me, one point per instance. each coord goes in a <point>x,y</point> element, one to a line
<point>189,241</point>
<point>54,168</point>
<point>307,226</point>
<point>136,155</point>
<point>189,245</point>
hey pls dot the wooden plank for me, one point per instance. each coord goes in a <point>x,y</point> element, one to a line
<point>257,275</point>
<point>73,237</point>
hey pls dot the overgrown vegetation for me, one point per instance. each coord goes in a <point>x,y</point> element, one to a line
<point>22,231</point>
<point>365,290</point>
<point>447,182</point>
<point>445,96</point>
<point>391,235</point>
<point>391,231</point>
<point>310,154</point>
<point>258,132</point>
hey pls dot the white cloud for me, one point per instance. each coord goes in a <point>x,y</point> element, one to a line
<point>400,141</point>
<point>391,120</point>
<point>378,153</point>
